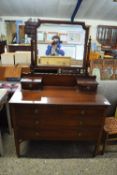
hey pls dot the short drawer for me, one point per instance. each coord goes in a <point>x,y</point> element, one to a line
<point>82,111</point>
<point>31,111</point>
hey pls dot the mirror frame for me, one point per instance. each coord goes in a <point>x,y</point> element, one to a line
<point>31,30</point>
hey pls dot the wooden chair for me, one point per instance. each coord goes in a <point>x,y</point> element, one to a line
<point>110,130</point>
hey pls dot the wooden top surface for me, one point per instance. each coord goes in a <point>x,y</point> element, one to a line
<point>59,96</point>
<point>12,71</point>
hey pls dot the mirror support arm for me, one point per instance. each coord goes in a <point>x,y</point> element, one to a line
<point>88,55</point>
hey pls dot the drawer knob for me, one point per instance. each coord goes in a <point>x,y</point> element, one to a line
<point>30,85</point>
<point>36,111</point>
<point>81,122</point>
<point>79,134</point>
<point>36,122</point>
<point>82,112</point>
<point>37,133</point>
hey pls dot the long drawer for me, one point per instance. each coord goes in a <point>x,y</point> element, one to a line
<point>44,111</point>
<point>60,122</point>
<point>79,134</point>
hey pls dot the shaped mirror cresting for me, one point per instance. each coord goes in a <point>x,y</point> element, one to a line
<point>72,39</point>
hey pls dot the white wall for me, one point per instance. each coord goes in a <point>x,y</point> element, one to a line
<point>2,28</point>
<point>92,23</point>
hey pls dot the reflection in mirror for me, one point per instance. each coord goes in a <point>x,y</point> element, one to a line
<point>72,43</point>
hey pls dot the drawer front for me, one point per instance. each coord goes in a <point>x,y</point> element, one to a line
<point>60,122</point>
<point>80,134</point>
<point>44,111</point>
<point>72,111</point>
<point>32,111</point>
<point>58,116</point>
<point>83,111</point>
<point>72,122</point>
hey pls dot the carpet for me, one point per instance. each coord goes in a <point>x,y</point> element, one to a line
<point>56,158</point>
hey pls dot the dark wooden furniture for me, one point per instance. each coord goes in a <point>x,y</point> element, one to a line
<point>58,113</point>
<point>19,47</point>
<point>107,37</point>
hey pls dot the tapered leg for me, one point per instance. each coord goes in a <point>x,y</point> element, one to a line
<point>17,144</point>
<point>104,142</point>
<point>97,145</point>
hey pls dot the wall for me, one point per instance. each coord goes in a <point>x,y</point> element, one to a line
<point>2,29</point>
<point>92,23</point>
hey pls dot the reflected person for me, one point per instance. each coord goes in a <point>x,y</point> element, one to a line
<point>55,48</point>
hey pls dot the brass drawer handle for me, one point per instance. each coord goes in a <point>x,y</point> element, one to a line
<point>79,134</point>
<point>82,112</point>
<point>36,122</point>
<point>81,122</point>
<point>36,111</point>
<point>30,85</point>
<point>37,133</point>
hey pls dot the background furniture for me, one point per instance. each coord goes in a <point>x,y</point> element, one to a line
<point>96,67</point>
<point>19,47</point>
<point>110,130</point>
<point>8,58</point>
<point>106,67</point>
<point>107,36</point>
<point>14,58</point>
<point>23,57</point>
